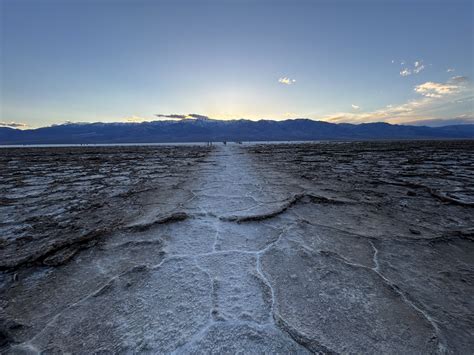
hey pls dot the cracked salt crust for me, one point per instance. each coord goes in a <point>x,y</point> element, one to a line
<point>255,251</point>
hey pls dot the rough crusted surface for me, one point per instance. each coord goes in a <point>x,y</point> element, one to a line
<point>332,248</point>
<point>54,198</point>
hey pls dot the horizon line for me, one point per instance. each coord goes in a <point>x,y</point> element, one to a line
<point>196,117</point>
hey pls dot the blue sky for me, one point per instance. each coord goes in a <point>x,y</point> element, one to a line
<point>339,61</point>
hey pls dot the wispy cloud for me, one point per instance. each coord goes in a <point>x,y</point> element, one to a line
<point>171,116</point>
<point>450,70</point>
<point>175,116</point>
<point>459,80</point>
<point>405,72</point>
<point>287,81</point>
<point>355,107</point>
<point>13,124</point>
<point>438,90</point>
<point>431,89</point>
<point>417,67</point>
<point>198,116</point>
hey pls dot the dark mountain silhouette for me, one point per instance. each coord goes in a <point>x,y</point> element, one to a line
<point>199,130</point>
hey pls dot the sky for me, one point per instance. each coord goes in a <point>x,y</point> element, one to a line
<point>337,61</point>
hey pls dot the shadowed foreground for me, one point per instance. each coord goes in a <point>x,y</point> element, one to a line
<point>333,248</point>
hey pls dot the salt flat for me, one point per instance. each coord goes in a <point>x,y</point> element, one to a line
<point>333,248</point>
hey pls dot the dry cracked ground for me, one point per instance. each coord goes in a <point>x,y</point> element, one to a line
<point>299,248</point>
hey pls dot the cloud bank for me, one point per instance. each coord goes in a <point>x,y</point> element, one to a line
<point>13,124</point>
<point>434,98</point>
<point>440,122</point>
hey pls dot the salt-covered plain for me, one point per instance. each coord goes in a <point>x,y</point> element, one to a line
<point>362,247</point>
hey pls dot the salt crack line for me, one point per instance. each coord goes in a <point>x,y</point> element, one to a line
<point>262,275</point>
<point>441,341</point>
<point>173,217</point>
<point>282,208</point>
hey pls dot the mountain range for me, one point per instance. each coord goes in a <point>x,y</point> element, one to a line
<point>204,129</point>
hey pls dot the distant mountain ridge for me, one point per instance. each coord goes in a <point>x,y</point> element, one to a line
<point>200,130</point>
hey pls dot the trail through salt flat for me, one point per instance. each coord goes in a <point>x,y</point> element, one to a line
<point>242,299</point>
<point>203,290</point>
